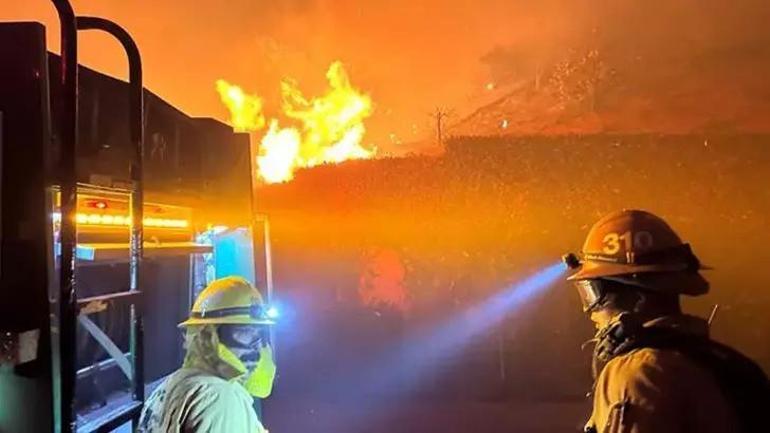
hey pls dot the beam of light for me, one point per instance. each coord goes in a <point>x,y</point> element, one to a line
<point>455,334</point>
<point>402,368</point>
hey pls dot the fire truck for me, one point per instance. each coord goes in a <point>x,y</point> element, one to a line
<point>116,209</point>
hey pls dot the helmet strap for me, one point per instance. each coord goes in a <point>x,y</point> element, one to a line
<point>614,339</point>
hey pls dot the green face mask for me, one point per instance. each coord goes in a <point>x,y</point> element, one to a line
<point>258,382</point>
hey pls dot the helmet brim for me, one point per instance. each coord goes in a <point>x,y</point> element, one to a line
<point>230,320</point>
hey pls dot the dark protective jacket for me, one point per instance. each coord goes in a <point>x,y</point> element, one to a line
<point>650,390</point>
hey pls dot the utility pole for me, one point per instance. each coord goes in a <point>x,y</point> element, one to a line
<point>439,115</point>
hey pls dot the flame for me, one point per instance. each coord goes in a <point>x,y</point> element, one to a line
<point>278,154</point>
<point>245,110</point>
<point>330,127</point>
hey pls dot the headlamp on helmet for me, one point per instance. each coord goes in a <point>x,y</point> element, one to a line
<point>571,260</point>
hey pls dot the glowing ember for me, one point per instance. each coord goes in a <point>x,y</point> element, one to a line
<point>331,127</point>
<point>245,110</point>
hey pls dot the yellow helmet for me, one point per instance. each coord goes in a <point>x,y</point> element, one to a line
<point>229,300</point>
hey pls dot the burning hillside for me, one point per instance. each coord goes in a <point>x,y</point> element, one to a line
<point>600,92</point>
<point>674,67</point>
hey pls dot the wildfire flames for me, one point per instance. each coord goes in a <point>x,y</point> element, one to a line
<point>245,110</point>
<point>330,127</point>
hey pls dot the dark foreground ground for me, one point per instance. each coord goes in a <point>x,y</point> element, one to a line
<point>520,417</point>
<point>285,416</point>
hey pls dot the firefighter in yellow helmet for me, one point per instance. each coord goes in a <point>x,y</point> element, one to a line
<point>655,368</point>
<point>228,362</point>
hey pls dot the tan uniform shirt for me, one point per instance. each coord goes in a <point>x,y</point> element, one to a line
<point>661,391</point>
<point>194,401</point>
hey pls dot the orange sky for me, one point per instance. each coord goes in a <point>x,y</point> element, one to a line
<point>411,56</point>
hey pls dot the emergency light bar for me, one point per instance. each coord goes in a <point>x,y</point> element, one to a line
<point>123,220</point>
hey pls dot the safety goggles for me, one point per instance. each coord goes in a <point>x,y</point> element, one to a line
<point>243,336</point>
<point>591,293</point>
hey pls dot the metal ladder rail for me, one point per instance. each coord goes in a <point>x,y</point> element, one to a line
<point>64,358</point>
<point>64,361</point>
<point>132,297</point>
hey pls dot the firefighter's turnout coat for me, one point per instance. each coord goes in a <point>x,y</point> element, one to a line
<point>650,390</point>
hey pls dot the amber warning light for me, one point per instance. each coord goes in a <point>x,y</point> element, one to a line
<point>123,220</point>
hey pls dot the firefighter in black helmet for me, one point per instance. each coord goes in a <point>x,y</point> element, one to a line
<point>655,368</point>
